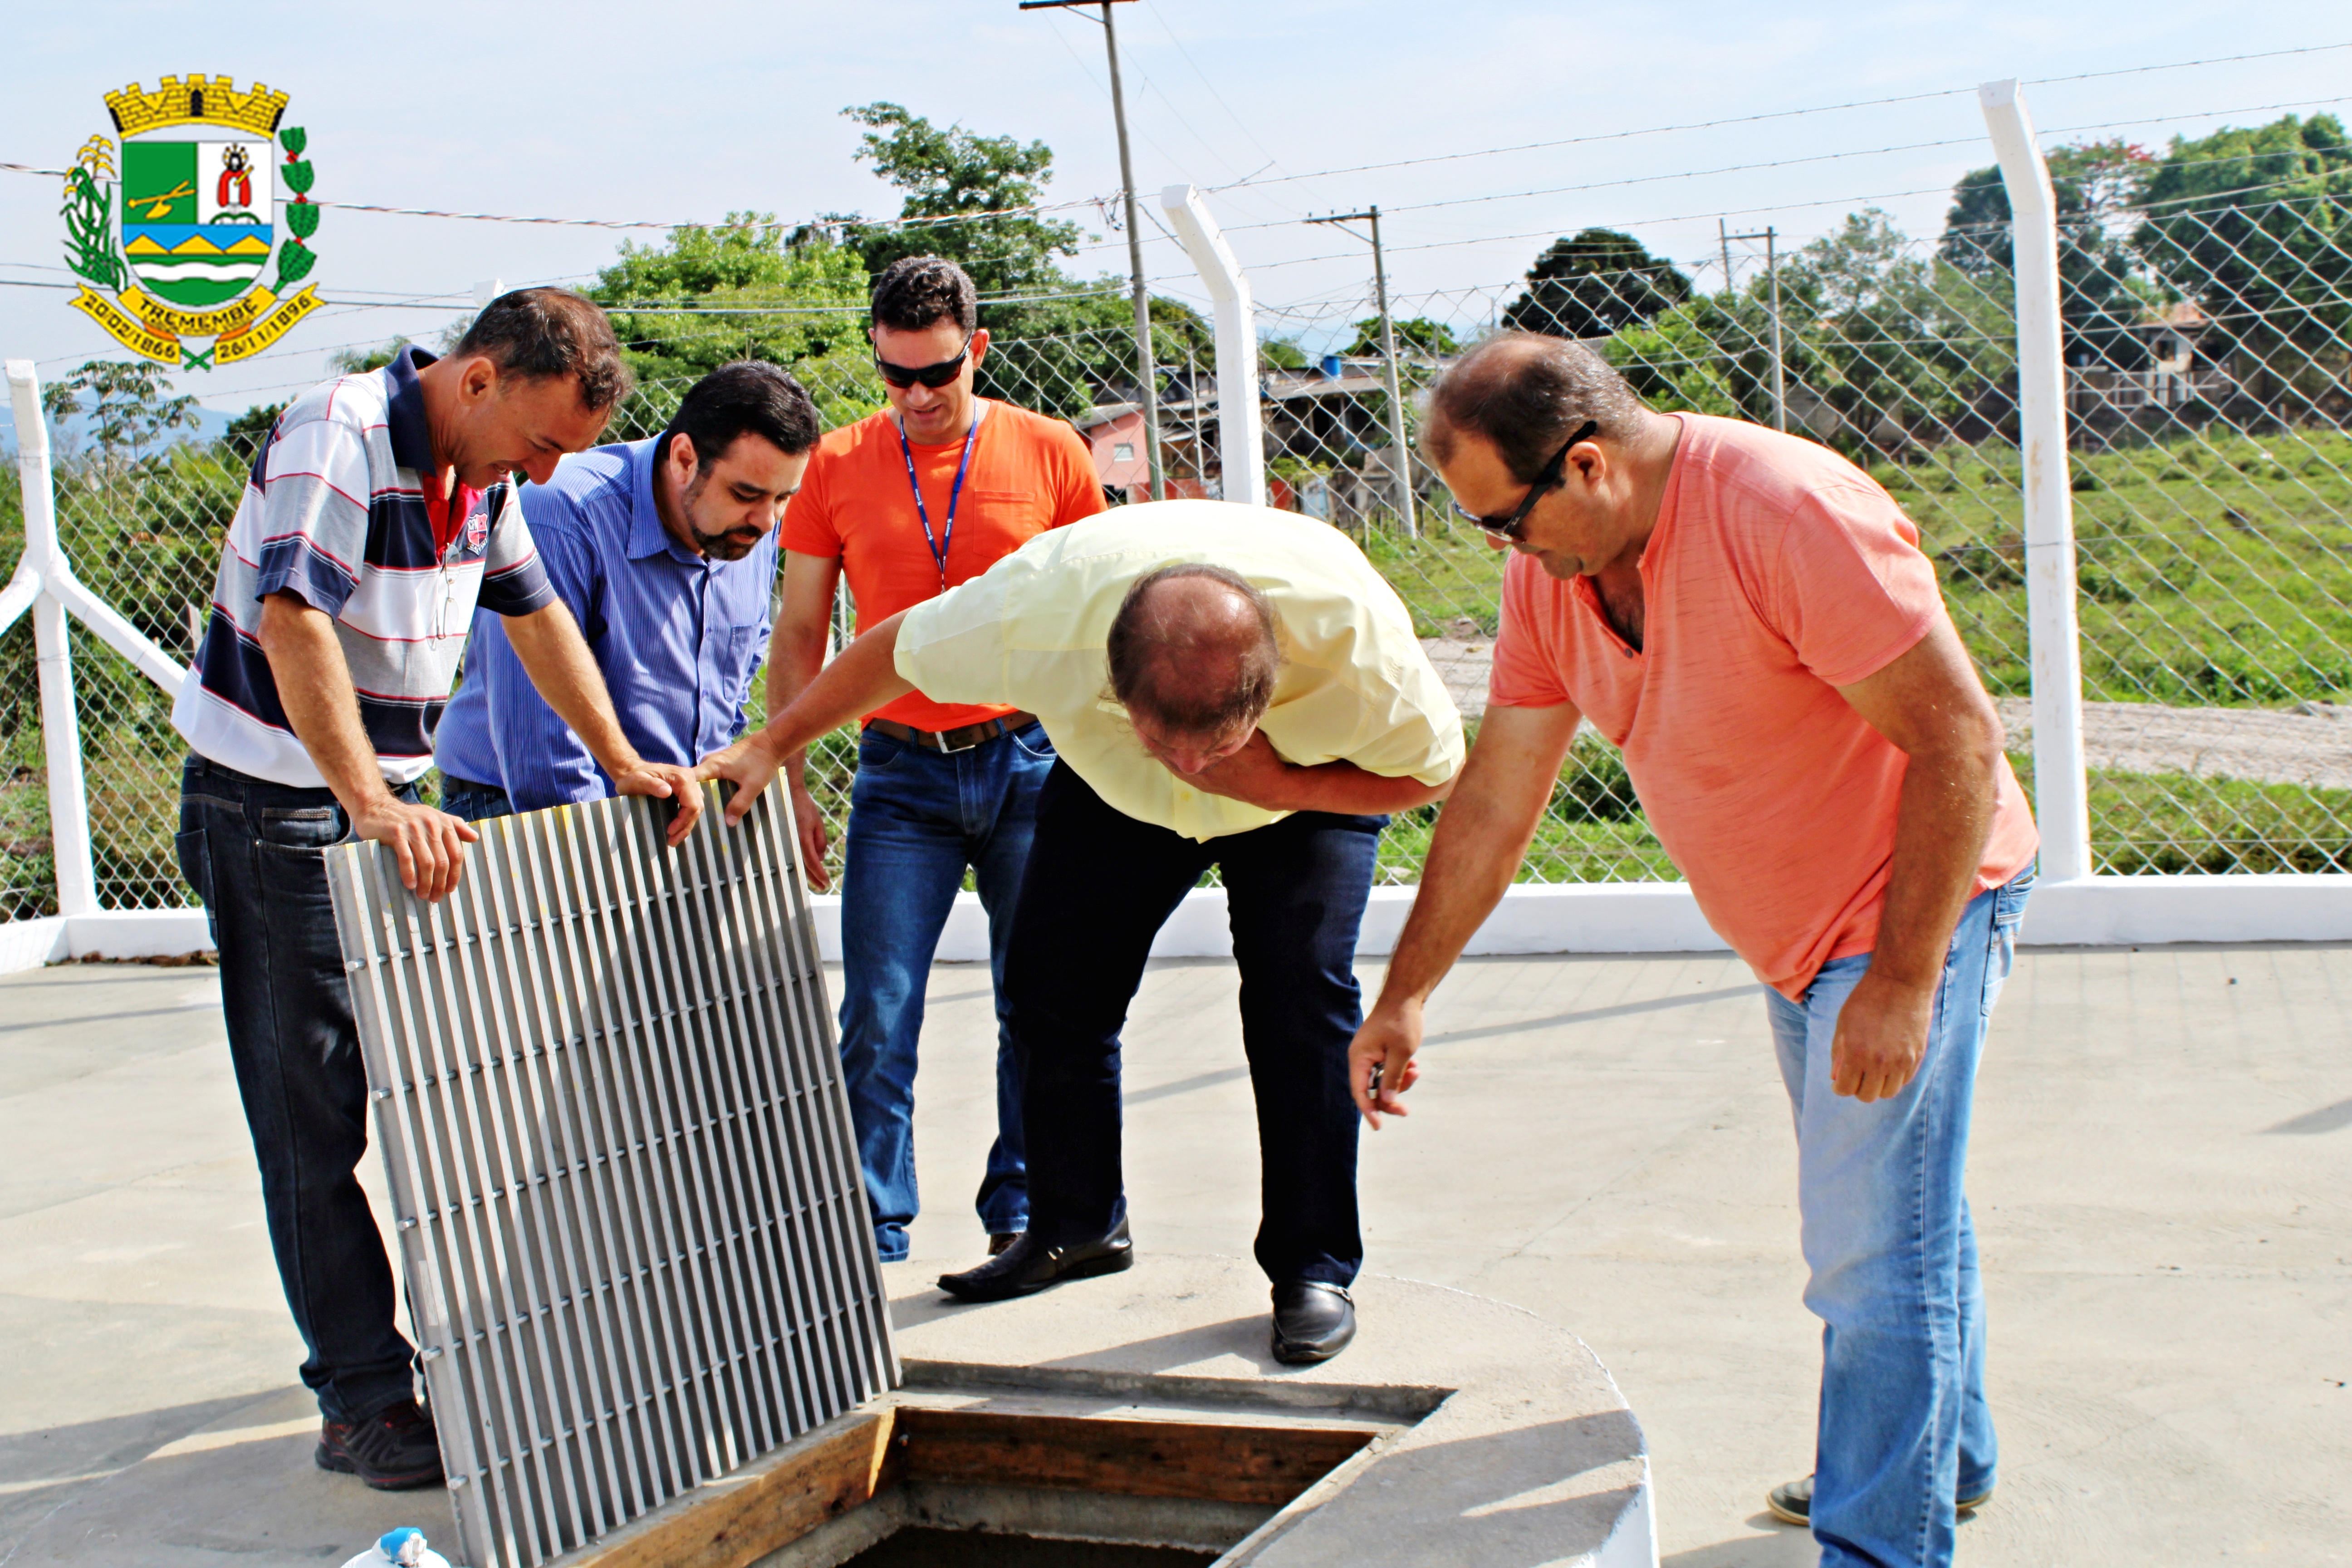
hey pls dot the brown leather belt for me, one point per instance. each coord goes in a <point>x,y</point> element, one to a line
<point>962,740</point>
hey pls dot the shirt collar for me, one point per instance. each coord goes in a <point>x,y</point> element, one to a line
<point>412,438</point>
<point>647,537</point>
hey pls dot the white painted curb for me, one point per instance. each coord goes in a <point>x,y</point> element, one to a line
<point>1593,917</point>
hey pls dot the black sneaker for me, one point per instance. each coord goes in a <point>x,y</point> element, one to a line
<point>1791,1502</point>
<point>393,1450</point>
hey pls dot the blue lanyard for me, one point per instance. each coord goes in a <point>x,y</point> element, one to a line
<point>938,547</point>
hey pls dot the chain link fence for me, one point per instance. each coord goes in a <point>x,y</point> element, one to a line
<point>2209,345</point>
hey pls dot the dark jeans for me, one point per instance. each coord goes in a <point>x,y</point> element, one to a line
<point>1100,884</point>
<point>250,850</point>
<point>474,802</point>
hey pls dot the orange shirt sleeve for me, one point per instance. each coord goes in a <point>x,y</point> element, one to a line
<point>1850,590</point>
<point>1527,670</point>
<point>809,526</point>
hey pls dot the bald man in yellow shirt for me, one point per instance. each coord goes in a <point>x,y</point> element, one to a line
<point>1225,686</point>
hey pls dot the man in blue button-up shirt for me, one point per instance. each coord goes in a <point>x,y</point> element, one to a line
<point>665,552</point>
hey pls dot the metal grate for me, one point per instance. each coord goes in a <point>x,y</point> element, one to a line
<point>608,1095</point>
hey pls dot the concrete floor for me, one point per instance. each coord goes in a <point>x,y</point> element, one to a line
<point>2163,1181</point>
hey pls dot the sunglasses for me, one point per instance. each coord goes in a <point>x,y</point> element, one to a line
<point>1514,527</point>
<point>931,375</point>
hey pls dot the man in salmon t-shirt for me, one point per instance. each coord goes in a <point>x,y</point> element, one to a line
<point>910,502</point>
<point>1750,616</point>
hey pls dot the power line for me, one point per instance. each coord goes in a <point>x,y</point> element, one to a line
<point>1780,114</point>
<point>1824,158</point>
<point>1033,209</point>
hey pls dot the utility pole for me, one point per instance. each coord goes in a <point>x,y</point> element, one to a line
<point>1770,237</point>
<point>1403,472</point>
<point>1147,369</point>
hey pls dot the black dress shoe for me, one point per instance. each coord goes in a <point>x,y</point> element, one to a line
<point>1030,1265</point>
<point>1312,1322</point>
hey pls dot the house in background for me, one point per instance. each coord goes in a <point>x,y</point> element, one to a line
<point>1114,433</point>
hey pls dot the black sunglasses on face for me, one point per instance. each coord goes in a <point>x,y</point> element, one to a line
<point>1513,526</point>
<point>930,376</point>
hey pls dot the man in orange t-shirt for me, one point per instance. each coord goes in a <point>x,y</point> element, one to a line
<point>910,502</point>
<point>1750,617</point>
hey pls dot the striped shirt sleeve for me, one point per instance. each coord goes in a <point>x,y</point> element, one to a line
<point>313,521</point>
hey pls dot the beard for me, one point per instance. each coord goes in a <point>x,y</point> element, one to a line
<point>728,543</point>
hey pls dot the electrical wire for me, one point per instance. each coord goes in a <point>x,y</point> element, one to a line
<point>1781,114</point>
<point>1821,158</point>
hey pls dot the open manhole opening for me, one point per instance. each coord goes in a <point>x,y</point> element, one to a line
<point>926,1546</point>
<point>924,1481</point>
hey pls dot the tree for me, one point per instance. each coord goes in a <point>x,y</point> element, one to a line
<point>1889,332</point>
<point>2256,226</point>
<point>243,438</point>
<point>1595,283</point>
<point>1417,334</point>
<point>750,288</point>
<point>980,181</point>
<point>352,362</point>
<point>1283,353</point>
<point>1869,326</point>
<point>743,289</point>
<point>2095,185</point>
<point>129,409</point>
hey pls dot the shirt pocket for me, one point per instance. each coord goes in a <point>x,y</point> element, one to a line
<point>738,656</point>
<point>999,520</point>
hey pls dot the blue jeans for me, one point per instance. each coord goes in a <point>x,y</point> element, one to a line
<point>1904,1427</point>
<point>474,802</point>
<point>1100,886</point>
<point>916,818</point>
<point>250,850</point>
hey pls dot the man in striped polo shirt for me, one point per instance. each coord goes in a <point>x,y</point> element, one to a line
<point>377,514</point>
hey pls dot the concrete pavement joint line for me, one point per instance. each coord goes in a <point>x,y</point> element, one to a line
<point>1187,1085</point>
<point>176,1008</point>
<point>1594,1015</point>
<point>9,1489</point>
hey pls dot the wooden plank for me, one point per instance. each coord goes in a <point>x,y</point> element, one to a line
<point>769,1503</point>
<point>1267,1465</point>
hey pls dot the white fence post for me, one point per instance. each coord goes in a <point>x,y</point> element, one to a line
<point>1240,444</point>
<point>61,725</point>
<point>2061,784</point>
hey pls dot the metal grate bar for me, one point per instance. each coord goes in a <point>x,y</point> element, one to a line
<point>610,1103</point>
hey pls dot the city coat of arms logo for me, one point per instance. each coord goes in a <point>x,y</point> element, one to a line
<point>175,229</point>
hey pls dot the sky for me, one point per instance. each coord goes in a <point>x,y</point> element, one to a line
<point>591,110</point>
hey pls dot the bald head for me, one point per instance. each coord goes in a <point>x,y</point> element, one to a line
<point>1193,649</point>
<point>1526,393</point>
